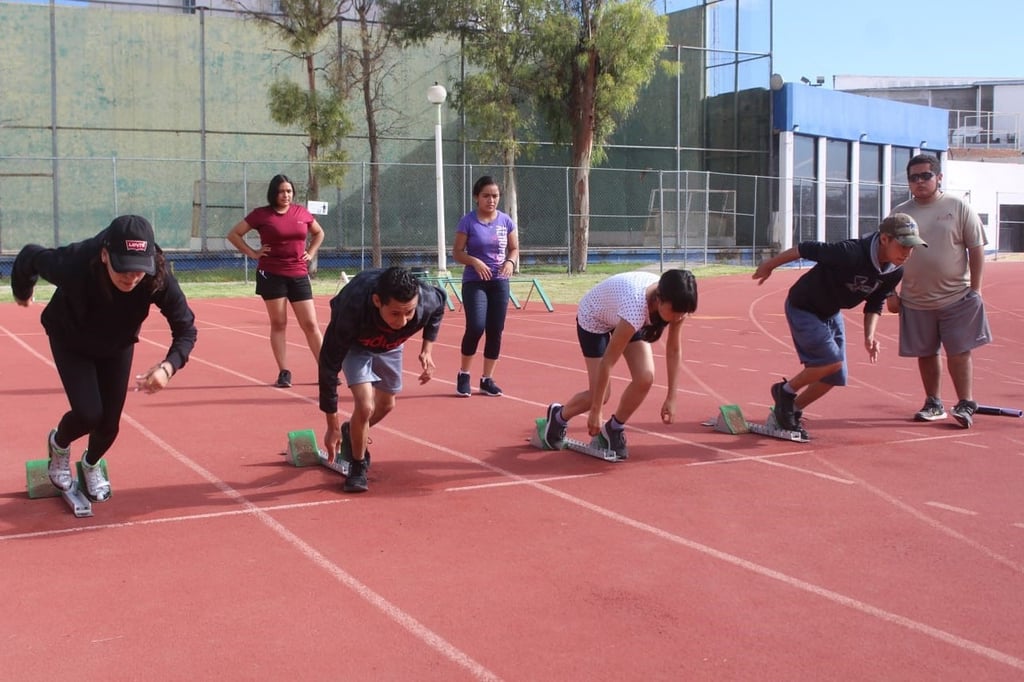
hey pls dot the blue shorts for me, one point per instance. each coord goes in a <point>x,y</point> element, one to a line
<point>594,345</point>
<point>270,287</point>
<point>819,342</point>
<point>383,370</point>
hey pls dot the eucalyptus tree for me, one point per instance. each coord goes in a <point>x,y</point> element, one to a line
<point>596,57</point>
<point>367,69</point>
<point>498,45</point>
<point>305,27</point>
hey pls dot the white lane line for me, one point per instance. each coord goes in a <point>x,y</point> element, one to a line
<point>763,571</point>
<point>166,519</point>
<point>951,508</point>
<point>767,459</point>
<point>504,484</point>
<point>432,639</point>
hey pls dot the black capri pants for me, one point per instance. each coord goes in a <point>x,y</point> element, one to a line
<point>485,303</point>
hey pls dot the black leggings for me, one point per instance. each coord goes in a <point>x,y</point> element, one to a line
<point>96,389</point>
<point>486,304</point>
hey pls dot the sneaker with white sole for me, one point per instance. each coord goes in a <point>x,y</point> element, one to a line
<point>488,387</point>
<point>60,464</point>
<point>963,413</point>
<point>97,487</point>
<point>284,379</point>
<point>932,411</point>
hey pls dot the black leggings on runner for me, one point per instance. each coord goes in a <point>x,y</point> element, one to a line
<point>96,389</point>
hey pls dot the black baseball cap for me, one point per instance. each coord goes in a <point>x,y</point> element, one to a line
<point>131,245</point>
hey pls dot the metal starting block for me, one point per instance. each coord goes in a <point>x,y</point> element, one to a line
<point>730,420</point>
<point>39,485</point>
<point>303,451</point>
<point>594,449</point>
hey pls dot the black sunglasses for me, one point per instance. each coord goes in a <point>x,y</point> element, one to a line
<point>921,177</point>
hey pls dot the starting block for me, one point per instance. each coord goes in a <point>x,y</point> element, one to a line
<point>594,449</point>
<point>303,451</point>
<point>730,419</point>
<point>39,485</point>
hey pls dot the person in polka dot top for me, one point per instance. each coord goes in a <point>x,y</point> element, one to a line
<point>621,317</point>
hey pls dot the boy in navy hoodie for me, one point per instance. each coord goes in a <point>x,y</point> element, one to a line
<point>846,273</point>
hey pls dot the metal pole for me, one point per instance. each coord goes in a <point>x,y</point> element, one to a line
<point>442,261</point>
<point>436,95</point>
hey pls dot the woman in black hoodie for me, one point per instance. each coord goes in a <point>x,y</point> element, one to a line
<point>105,287</point>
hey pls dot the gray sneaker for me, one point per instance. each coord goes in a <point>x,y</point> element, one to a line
<point>97,487</point>
<point>554,433</point>
<point>932,411</point>
<point>60,464</point>
<point>963,413</point>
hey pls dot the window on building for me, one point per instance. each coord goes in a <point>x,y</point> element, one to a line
<point>869,201</point>
<point>804,189</point>
<point>804,160</point>
<point>900,191</point>
<point>837,190</point>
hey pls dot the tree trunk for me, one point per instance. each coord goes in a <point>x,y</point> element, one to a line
<point>373,139</point>
<point>313,150</point>
<point>512,194</point>
<point>582,153</point>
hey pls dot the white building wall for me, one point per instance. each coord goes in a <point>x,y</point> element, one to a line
<point>985,186</point>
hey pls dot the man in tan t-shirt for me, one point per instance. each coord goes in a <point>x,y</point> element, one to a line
<point>940,300</point>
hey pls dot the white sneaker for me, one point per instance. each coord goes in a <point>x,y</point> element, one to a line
<point>60,464</point>
<point>97,487</point>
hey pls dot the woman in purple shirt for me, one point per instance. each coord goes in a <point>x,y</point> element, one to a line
<point>487,243</point>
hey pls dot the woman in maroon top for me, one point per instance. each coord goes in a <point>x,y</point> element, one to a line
<point>289,239</point>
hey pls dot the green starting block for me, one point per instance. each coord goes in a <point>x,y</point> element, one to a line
<point>595,448</point>
<point>39,485</point>
<point>303,451</point>
<point>302,448</point>
<point>730,419</point>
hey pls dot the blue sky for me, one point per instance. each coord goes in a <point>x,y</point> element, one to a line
<point>898,38</point>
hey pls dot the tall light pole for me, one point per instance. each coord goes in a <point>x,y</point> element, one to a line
<point>436,94</point>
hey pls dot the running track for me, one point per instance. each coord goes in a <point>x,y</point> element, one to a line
<point>883,549</point>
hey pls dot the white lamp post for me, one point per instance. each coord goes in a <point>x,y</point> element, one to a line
<point>436,94</point>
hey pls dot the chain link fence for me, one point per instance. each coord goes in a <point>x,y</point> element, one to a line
<point>636,216</point>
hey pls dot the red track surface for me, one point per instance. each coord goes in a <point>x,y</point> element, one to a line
<point>883,549</point>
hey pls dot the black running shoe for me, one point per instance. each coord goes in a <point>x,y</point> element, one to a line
<point>462,387</point>
<point>346,446</point>
<point>785,408</point>
<point>616,440</point>
<point>355,482</point>
<point>554,432</point>
<point>284,379</point>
